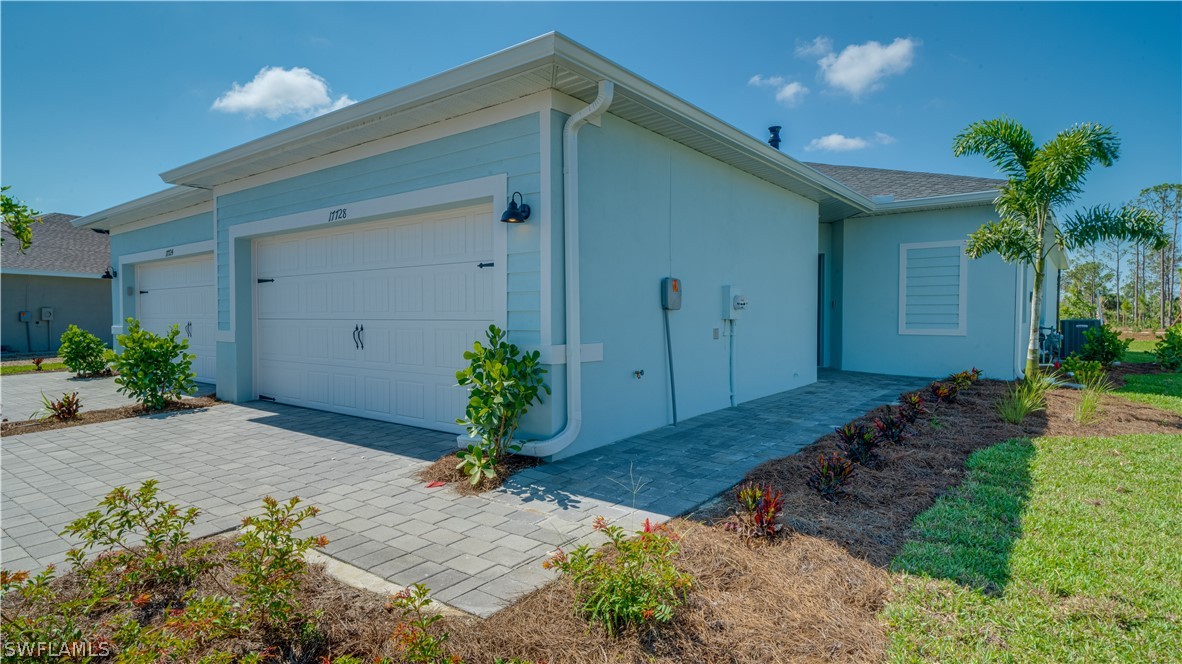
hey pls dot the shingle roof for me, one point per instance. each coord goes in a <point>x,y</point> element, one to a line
<point>904,185</point>
<point>59,247</point>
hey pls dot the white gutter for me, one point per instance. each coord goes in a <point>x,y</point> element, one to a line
<point>570,225</point>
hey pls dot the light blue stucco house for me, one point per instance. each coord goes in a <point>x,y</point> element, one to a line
<point>347,262</point>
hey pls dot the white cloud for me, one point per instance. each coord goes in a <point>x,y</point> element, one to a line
<point>837,143</point>
<point>789,93</point>
<point>860,67</point>
<point>818,46</point>
<point>843,143</point>
<point>276,92</point>
<point>765,82</point>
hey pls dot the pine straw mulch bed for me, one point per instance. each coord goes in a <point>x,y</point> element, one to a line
<point>444,470</point>
<point>105,415</point>
<point>814,595</point>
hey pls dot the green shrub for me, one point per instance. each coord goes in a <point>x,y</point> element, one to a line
<point>271,562</point>
<point>153,369</point>
<point>1104,345</point>
<point>62,410</point>
<point>1085,372</point>
<point>502,383</point>
<point>1168,348</point>
<point>633,584</point>
<point>416,636</point>
<point>126,519</point>
<point>82,352</point>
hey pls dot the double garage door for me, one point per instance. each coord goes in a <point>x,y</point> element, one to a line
<point>373,320</point>
<point>181,292</point>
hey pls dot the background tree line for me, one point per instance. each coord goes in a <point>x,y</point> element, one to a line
<point>1126,283</point>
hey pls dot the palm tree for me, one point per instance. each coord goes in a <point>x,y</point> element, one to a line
<point>1040,181</point>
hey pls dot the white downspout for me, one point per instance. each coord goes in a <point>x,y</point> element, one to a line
<point>570,219</point>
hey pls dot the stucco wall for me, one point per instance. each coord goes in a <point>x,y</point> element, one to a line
<point>652,208</point>
<point>870,288</point>
<point>82,302</point>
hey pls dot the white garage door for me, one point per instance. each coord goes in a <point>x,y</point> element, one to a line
<point>373,320</point>
<point>181,292</point>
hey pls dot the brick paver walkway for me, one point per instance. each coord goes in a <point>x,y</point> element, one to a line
<point>476,553</point>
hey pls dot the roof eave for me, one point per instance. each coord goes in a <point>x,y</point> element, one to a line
<point>969,199</point>
<point>169,201</point>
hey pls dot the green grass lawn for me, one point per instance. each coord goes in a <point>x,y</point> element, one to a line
<point>1162,390</point>
<point>10,369</point>
<point>1060,549</point>
<point>1140,352</point>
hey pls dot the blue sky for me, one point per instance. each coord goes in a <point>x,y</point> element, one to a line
<point>99,98</point>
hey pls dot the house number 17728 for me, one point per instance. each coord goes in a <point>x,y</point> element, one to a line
<point>337,215</point>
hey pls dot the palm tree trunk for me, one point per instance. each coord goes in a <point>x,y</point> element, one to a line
<point>1035,308</point>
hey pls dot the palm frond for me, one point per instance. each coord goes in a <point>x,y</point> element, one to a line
<point>1060,167</point>
<point>1002,141</point>
<point>1103,222</point>
<point>1009,238</point>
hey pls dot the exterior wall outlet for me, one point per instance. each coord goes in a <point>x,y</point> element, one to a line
<point>46,313</point>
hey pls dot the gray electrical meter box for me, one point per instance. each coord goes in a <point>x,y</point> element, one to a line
<point>670,293</point>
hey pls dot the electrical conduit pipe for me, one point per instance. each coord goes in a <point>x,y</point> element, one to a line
<point>570,225</point>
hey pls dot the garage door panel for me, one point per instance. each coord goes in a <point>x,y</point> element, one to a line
<point>415,286</point>
<point>448,292</point>
<point>181,292</point>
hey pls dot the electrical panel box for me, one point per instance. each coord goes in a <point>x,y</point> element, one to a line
<point>46,313</point>
<point>733,303</point>
<point>671,293</point>
<point>24,316</point>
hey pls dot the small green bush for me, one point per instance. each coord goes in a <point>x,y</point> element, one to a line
<point>636,585</point>
<point>153,369</point>
<point>1104,345</point>
<point>126,518</point>
<point>1168,348</point>
<point>82,352</point>
<point>271,560</point>
<point>503,382</point>
<point>1085,372</point>
<point>416,635</point>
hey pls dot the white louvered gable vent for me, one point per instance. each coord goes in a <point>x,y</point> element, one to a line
<point>933,288</point>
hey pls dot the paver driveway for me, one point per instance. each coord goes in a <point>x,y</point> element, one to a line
<point>20,394</point>
<point>475,553</point>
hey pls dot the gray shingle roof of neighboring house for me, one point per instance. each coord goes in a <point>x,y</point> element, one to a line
<point>58,247</point>
<point>904,185</point>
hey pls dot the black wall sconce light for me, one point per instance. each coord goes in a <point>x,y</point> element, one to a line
<point>110,274</point>
<point>515,214</point>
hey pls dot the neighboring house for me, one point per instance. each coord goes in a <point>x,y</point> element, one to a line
<point>347,262</point>
<point>55,283</point>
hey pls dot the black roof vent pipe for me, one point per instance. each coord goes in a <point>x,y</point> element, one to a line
<point>774,141</point>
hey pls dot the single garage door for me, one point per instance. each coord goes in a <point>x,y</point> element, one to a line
<point>373,319</point>
<point>181,292</point>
